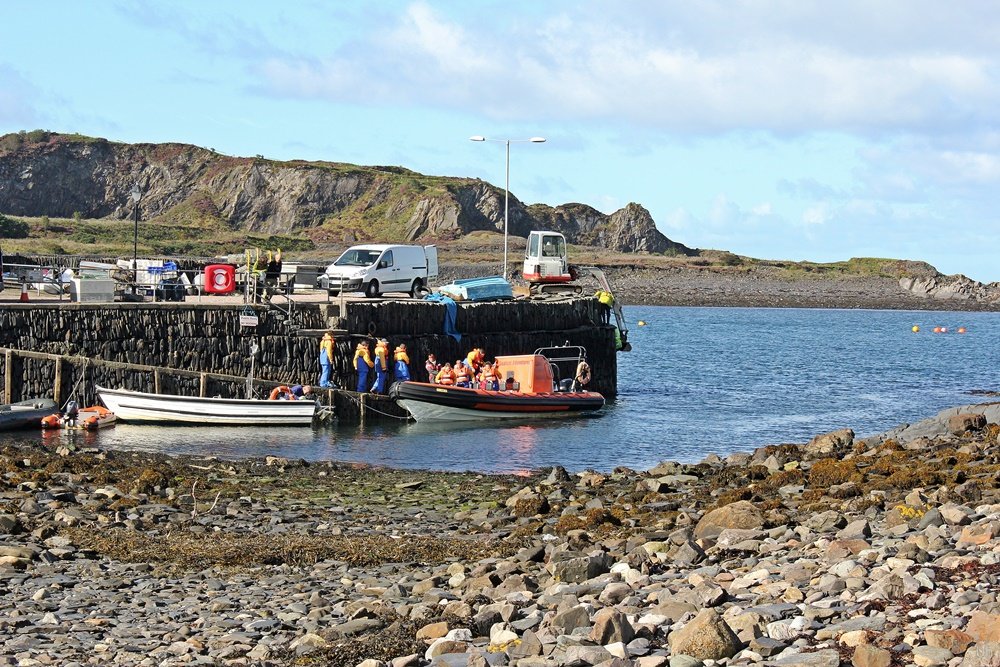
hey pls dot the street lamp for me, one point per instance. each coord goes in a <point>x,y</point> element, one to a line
<point>506,187</point>
<point>136,196</point>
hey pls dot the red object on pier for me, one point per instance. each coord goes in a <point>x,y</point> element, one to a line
<point>220,278</point>
<point>24,292</point>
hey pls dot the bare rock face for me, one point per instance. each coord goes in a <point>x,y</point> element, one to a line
<point>950,287</point>
<point>43,173</point>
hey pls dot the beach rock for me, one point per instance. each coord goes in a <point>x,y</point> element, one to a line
<point>954,640</point>
<point>741,514</point>
<point>984,627</point>
<point>868,655</point>
<point>706,637</point>
<point>830,443</point>
<point>611,625</point>
<point>961,423</point>
<point>983,654</point>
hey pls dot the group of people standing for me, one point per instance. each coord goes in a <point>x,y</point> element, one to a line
<point>365,360</point>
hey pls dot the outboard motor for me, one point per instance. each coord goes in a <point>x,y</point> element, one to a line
<point>72,412</point>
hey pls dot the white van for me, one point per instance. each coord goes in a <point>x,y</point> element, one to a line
<point>377,268</point>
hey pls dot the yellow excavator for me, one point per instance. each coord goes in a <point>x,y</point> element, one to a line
<point>547,270</point>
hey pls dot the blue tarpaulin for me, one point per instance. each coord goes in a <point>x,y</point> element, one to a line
<point>450,313</point>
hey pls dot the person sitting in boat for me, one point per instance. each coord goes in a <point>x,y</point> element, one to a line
<point>582,378</point>
<point>381,365</point>
<point>510,384</point>
<point>463,376</point>
<point>302,392</point>
<point>402,365</point>
<point>362,364</point>
<point>432,366</point>
<point>445,376</point>
<point>489,380</point>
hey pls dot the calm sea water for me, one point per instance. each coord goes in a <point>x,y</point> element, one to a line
<point>698,381</point>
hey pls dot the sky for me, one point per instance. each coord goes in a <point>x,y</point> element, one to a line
<point>777,129</point>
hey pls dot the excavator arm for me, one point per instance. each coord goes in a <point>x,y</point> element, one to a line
<point>602,280</point>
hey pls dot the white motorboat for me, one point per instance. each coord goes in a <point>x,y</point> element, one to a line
<point>137,406</point>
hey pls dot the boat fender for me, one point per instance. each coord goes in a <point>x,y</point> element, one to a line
<point>52,421</point>
<point>371,328</point>
<point>278,391</point>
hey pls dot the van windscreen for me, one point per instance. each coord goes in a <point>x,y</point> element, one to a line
<point>357,257</point>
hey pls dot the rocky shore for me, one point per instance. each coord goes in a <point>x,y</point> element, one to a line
<point>878,552</point>
<point>767,287</point>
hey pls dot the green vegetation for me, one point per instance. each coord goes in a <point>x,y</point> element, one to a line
<point>13,229</point>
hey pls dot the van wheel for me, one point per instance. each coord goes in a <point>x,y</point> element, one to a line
<point>371,289</point>
<point>418,291</point>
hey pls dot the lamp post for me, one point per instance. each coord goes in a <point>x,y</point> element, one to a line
<point>136,196</point>
<point>506,187</point>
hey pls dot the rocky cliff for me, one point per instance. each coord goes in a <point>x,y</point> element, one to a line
<point>58,175</point>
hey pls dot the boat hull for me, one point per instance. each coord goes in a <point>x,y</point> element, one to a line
<point>432,402</point>
<point>25,413</point>
<point>140,407</point>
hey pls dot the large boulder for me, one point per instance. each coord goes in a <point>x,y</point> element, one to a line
<point>741,514</point>
<point>707,637</point>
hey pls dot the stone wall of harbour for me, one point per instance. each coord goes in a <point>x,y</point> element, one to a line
<point>204,349</point>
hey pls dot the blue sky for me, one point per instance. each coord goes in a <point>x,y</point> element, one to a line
<point>782,130</point>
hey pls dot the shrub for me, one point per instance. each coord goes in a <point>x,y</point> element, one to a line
<point>13,229</point>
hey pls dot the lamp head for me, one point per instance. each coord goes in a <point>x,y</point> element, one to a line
<point>477,138</point>
<point>136,193</point>
<point>537,140</point>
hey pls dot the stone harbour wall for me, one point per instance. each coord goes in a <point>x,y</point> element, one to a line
<point>200,339</point>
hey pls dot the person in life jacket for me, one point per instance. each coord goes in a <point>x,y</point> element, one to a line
<point>381,365</point>
<point>445,376</point>
<point>362,364</point>
<point>474,360</point>
<point>462,374</point>
<point>489,379</point>
<point>605,300</point>
<point>582,378</point>
<point>401,369</point>
<point>326,359</point>
<point>432,367</point>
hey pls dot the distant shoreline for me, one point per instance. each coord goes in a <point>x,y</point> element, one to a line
<point>756,289</point>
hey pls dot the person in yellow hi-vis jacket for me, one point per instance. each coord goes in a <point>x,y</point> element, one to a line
<point>606,299</point>
<point>326,359</point>
<point>362,364</point>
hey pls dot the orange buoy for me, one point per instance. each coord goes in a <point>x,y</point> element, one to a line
<point>937,329</point>
<point>961,330</point>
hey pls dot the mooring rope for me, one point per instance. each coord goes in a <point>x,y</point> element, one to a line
<point>386,414</point>
<point>83,376</point>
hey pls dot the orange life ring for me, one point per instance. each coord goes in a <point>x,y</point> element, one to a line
<point>278,391</point>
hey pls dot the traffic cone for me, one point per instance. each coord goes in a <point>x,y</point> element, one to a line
<point>24,292</point>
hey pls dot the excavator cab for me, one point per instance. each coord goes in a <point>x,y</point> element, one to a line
<point>545,258</point>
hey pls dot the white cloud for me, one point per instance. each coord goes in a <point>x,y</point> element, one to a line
<point>816,215</point>
<point>589,62</point>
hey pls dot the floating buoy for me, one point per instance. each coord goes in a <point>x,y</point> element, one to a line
<point>915,329</point>
<point>642,323</point>
<point>961,330</point>
<point>944,329</point>
<point>937,329</point>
